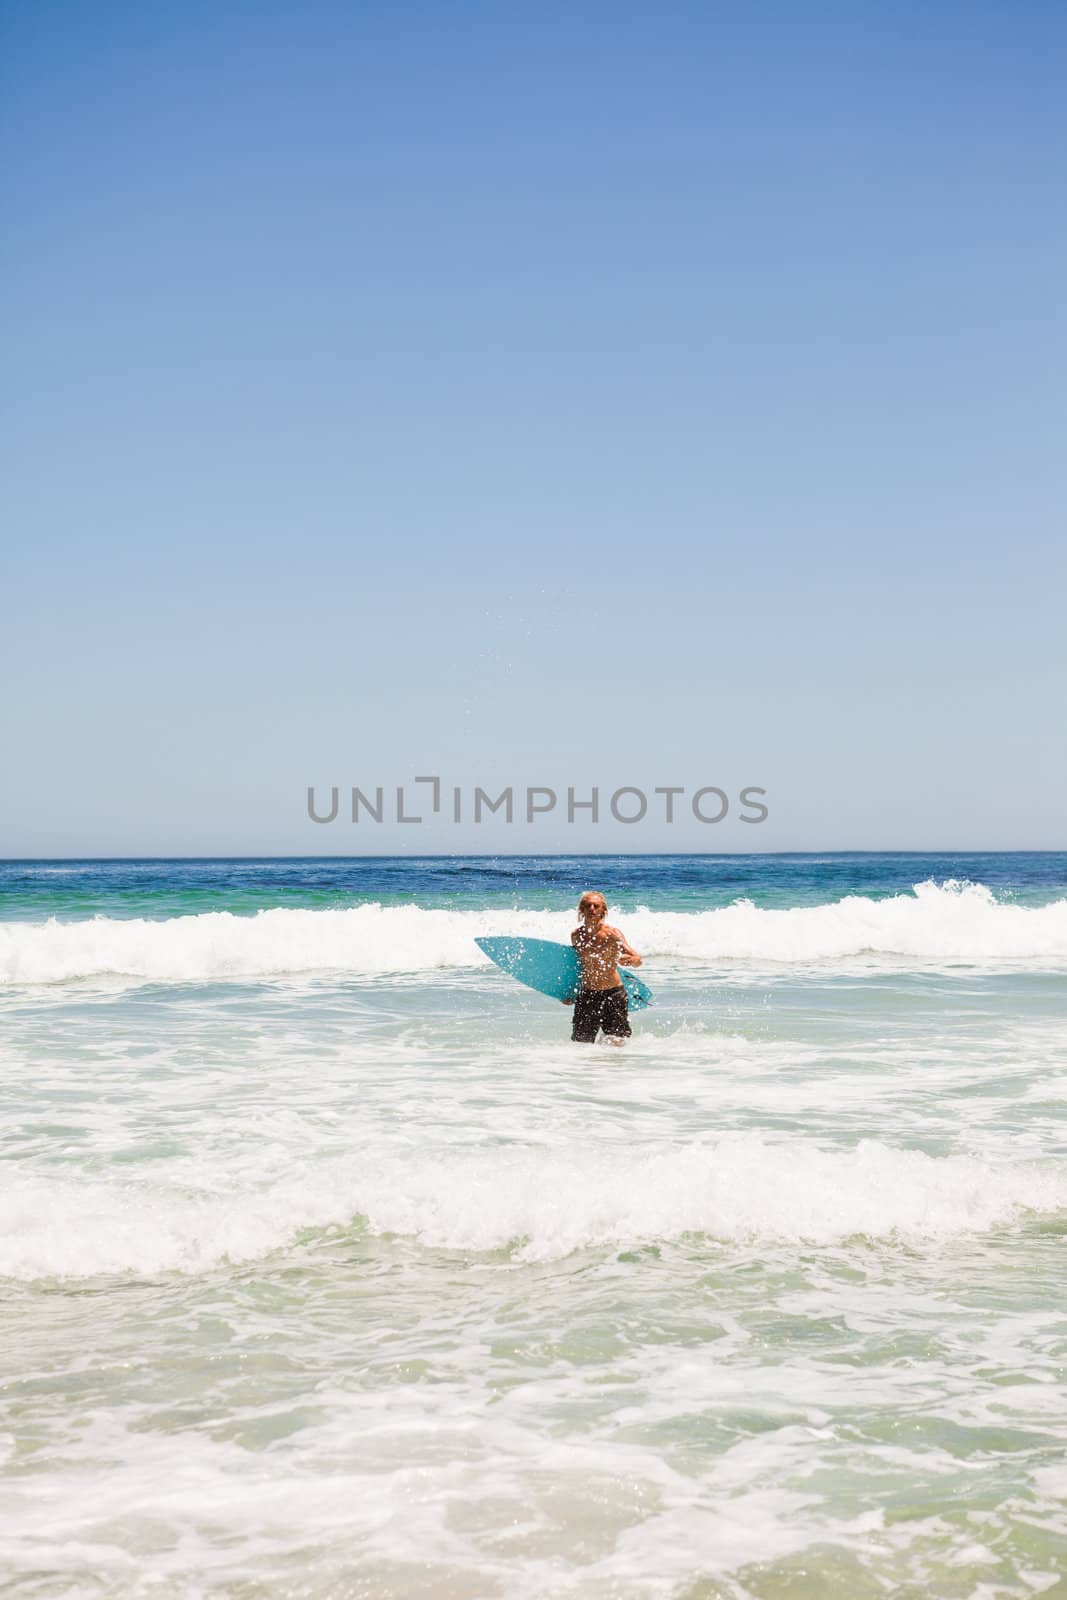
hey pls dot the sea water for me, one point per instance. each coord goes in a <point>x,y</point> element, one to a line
<point>331,1269</point>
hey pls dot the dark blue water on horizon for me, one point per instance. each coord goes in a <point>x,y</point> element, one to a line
<point>73,889</point>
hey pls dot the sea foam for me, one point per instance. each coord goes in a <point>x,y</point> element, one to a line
<point>535,1204</point>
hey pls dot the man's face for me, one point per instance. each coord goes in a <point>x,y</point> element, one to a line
<point>592,908</point>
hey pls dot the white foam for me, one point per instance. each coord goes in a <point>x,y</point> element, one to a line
<point>539,1205</point>
<point>934,923</point>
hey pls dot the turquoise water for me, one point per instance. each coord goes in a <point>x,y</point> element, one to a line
<point>332,1269</point>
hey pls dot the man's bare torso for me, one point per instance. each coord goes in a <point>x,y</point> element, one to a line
<point>598,951</point>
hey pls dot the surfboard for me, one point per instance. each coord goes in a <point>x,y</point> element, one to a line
<point>552,969</point>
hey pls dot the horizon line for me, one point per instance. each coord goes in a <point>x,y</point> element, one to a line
<point>555,855</point>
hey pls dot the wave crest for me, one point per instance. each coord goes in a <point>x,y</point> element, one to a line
<point>934,923</point>
<point>537,1205</point>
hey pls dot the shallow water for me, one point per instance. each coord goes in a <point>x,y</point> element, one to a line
<point>332,1269</point>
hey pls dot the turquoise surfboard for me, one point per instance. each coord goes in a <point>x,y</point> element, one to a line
<point>552,968</point>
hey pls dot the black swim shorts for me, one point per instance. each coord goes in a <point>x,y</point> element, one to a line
<point>601,1008</point>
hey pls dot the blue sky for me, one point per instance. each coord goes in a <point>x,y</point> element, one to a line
<point>608,394</point>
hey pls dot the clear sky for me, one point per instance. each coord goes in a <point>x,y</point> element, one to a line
<point>616,394</point>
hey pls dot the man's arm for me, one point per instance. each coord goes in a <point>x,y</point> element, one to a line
<point>628,956</point>
<point>574,942</point>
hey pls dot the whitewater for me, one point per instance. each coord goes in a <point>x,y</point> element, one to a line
<point>933,923</point>
<point>331,1269</point>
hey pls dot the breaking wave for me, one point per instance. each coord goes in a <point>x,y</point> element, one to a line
<point>944,923</point>
<point>535,1204</point>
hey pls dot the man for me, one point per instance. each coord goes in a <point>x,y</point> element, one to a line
<point>601,999</point>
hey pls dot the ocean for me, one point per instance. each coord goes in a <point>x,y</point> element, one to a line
<point>332,1270</point>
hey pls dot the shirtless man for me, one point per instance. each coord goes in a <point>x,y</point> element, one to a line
<point>601,1000</point>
